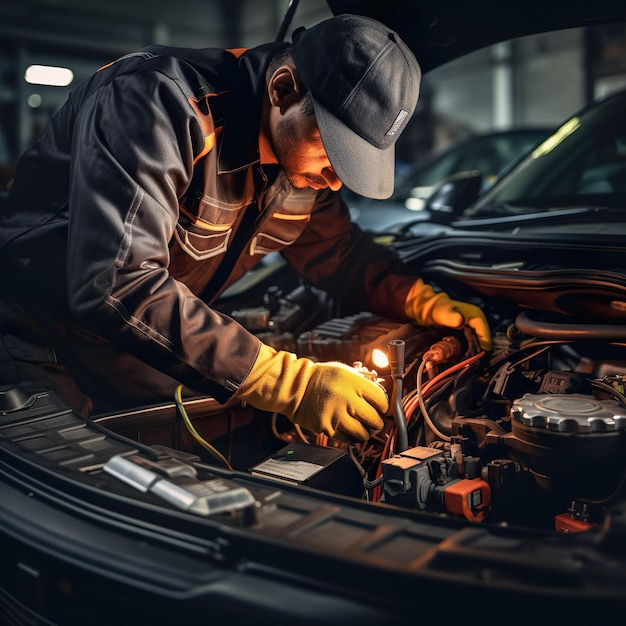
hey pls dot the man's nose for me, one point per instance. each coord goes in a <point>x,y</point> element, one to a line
<point>328,174</point>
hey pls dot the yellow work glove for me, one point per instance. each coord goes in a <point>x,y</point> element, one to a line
<point>330,398</point>
<point>427,308</point>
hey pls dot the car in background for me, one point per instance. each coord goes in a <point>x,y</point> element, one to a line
<point>488,153</point>
<point>507,506</point>
<point>575,179</point>
<point>581,165</point>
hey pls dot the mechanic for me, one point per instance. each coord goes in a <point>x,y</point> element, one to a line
<point>169,174</point>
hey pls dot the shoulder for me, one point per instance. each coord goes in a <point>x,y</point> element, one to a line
<point>195,71</point>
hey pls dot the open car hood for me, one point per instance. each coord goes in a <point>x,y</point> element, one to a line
<point>441,31</point>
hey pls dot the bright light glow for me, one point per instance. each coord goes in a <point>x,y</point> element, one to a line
<point>48,75</point>
<point>379,358</point>
<point>553,141</point>
<point>414,204</point>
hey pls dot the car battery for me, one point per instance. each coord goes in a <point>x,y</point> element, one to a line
<point>325,468</point>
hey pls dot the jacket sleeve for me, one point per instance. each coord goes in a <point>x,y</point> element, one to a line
<point>133,147</point>
<point>335,255</point>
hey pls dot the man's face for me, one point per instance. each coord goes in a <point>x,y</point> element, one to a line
<point>299,150</point>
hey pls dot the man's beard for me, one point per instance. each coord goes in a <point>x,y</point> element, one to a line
<point>310,182</point>
<point>288,139</point>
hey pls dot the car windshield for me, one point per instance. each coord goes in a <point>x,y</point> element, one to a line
<point>582,164</point>
<point>489,153</point>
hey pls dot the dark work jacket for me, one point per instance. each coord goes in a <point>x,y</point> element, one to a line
<point>144,199</point>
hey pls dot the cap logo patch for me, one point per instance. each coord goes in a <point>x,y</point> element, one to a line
<point>397,123</point>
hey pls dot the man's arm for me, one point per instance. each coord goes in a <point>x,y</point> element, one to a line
<point>335,255</point>
<point>134,144</point>
<point>338,257</point>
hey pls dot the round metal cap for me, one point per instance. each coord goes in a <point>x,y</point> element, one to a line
<point>569,413</point>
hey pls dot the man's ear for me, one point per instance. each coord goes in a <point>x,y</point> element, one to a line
<point>283,87</point>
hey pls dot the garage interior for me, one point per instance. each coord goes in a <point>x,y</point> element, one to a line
<point>504,86</point>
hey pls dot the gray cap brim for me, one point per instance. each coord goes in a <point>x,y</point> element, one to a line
<point>361,167</point>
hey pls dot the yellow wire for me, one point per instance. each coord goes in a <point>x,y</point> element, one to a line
<point>178,397</point>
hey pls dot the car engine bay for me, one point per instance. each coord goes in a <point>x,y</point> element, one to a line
<point>499,474</point>
<point>532,434</point>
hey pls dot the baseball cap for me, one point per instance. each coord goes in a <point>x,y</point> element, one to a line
<point>364,83</point>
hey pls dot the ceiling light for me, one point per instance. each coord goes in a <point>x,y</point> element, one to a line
<point>48,75</point>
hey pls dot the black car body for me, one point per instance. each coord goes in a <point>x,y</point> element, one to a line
<point>508,504</point>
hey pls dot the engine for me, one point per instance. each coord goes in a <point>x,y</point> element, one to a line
<point>531,434</point>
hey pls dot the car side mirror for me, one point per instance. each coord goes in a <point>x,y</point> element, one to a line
<point>453,195</point>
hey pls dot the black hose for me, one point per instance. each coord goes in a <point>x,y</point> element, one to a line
<point>552,330</point>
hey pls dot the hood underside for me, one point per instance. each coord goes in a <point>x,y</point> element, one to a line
<point>442,30</point>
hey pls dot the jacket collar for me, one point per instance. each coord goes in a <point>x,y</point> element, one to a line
<point>239,145</point>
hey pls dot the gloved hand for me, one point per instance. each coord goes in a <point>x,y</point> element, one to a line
<point>330,398</point>
<point>426,308</point>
